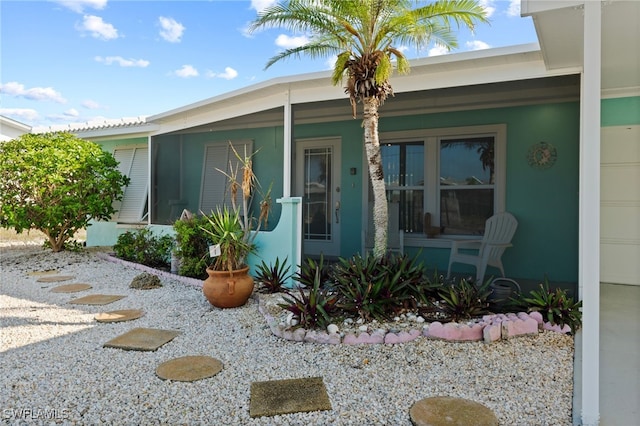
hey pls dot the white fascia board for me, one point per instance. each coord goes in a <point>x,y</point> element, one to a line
<point>220,111</point>
<point>117,133</point>
<point>8,123</point>
<point>311,87</point>
<point>252,91</point>
<point>523,66</point>
<point>531,7</point>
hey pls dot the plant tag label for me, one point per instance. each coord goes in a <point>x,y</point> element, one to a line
<point>214,251</point>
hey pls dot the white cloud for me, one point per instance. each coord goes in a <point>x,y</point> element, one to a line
<point>140,63</point>
<point>78,6</point>
<point>171,29</point>
<point>489,7</point>
<point>95,26</point>
<point>186,71</point>
<point>35,93</point>
<point>514,8</point>
<point>72,112</point>
<point>90,104</point>
<point>288,42</point>
<point>260,5</point>
<point>20,113</point>
<point>330,62</point>
<point>228,74</point>
<point>437,51</point>
<point>477,45</point>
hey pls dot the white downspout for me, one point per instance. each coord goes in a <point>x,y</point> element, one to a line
<point>589,226</point>
<point>286,169</point>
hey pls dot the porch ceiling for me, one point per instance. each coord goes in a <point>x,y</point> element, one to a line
<point>560,28</point>
<point>492,95</point>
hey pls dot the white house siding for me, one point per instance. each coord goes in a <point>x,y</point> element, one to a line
<point>620,205</point>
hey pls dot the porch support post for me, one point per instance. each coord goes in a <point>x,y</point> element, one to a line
<point>149,179</point>
<point>589,216</point>
<point>286,169</point>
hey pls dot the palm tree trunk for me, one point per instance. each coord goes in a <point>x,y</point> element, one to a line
<point>374,160</point>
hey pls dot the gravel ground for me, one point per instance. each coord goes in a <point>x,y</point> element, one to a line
<point>55,370</point>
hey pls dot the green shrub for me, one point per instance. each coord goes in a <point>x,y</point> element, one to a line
<point>56,183</point>
<point>555,306</point>
<point>192,246</point>
<point>144,247</point>
<point>273,277</point>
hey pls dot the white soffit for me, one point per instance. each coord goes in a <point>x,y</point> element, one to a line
<point>560,28</point>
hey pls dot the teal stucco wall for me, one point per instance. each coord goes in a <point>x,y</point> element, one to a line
<point>545,202</point>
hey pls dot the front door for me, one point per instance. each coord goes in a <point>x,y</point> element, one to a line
<point>318,183</point>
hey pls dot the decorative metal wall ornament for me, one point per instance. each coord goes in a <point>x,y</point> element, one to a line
<point>542,155</point>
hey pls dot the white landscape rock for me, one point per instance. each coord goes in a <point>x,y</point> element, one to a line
<point>53,359</point>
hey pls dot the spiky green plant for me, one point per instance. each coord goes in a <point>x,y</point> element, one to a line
<point>463,299</point>
<point>273,277</point>
<point>555,306</point>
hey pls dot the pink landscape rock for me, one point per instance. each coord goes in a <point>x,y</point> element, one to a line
<point>492,332</point>
<point>471,333</point>
<point>519,327</point>
<point>537,316</point>
<point>555,327</point>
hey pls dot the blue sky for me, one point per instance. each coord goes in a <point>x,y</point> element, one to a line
<point>73,61</point>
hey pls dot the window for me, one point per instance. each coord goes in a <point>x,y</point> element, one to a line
<point>466,184</point>
<point>215,185</point>
<point>133,162</point>
<point>404,178</point>
<point>456,176</point>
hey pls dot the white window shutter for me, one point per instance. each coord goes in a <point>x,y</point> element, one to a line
<point>134,164</point>
<point>213,181</point>
<point>215,185</point>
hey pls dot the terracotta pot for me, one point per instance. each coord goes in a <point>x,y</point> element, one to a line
<point>224,289</point>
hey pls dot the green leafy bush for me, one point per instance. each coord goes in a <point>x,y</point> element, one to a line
<point>462,299</point>
<point>144,247</point>
<point>56,183</point>
<point>555,306</point>
<point>192,246</point>
<point>273,277</point>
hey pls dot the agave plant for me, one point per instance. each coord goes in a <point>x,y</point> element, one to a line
<point>226,232</point>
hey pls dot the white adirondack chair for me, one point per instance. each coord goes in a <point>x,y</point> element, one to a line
<point>498,232</point>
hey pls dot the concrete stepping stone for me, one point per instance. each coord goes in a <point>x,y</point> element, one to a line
<point>55,278</point>
<point>450,411</point>
<point>189,368</point>
<point>287,396</point>
<point>41,273</point>
<point>119,315</point>
<point>70,288</point>
<point>142,339</point>
<point>97,299</point>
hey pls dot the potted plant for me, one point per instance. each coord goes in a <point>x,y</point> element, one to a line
<point>232,233</point>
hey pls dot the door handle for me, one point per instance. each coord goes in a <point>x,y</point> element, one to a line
<point>337,211</point>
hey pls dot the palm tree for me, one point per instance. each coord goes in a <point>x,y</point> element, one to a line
<point>366,35</point>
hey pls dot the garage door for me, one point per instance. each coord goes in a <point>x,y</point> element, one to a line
<point>620,205</point>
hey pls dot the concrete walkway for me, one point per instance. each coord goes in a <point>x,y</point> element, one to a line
<point>619,357</point>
